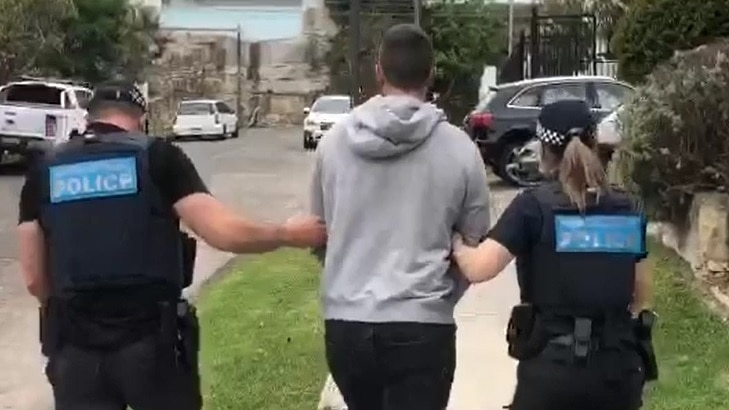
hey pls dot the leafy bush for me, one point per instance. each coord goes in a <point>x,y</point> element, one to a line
<point>652,29</point>
<point>677,128</point>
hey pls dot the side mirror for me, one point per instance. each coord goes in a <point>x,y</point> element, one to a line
<point>307,110</point>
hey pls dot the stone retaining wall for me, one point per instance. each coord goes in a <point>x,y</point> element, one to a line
<point>704,243</point>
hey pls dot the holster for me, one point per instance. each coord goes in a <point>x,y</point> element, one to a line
<point>189,253</point>
<point>179,338</point>
<point>49,320</point>
<point>525,332</point>
<point>643,328</point>
<point>189,336</point>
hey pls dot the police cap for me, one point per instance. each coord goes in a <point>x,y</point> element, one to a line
<point>561,120</point>
<point>118,91</point>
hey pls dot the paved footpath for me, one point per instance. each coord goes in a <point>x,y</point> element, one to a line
<point>485,376</point>
<point>264,174</point>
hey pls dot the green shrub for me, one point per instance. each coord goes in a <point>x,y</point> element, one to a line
<point>652,29</point>
<point>677,131</point>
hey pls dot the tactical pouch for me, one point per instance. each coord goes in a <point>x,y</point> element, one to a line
<point>49,328</point>
<point>643,327</point>
<point>189,253</point>
<point>524,333</point>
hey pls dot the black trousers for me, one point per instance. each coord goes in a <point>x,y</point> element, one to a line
<point>136,375</point>
<point>392,366</point>
<point>543,384</point>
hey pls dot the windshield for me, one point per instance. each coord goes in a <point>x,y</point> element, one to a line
<point>196,109</point>
<point>332,106</point>
<point>32,93</point>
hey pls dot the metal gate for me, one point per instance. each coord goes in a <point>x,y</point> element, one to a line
<point>555,45</point>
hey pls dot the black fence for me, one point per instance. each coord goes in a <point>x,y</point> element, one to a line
<point>556,45</point>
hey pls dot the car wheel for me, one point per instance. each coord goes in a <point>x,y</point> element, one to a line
<point>307,145</point>
<point>511,170</point>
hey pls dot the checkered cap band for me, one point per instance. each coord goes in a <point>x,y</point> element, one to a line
<point>550,137</point>
<point>122,92</point>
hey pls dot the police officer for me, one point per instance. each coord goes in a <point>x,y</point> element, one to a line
<point>580,256</point>
<point>101,249</point>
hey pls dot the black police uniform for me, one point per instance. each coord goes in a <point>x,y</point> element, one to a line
<point>110,232</point>
<point>573,333</point>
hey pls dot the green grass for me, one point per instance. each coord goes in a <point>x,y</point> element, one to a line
<point>262,343</point>
<point>692,343</point>
<point>263,348</point>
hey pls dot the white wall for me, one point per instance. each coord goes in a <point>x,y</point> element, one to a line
<point>149,3</point>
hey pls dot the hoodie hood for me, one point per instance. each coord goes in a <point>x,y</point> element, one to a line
<point>390,126</point>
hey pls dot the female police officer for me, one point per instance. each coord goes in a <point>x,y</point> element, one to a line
<point>580,248</point>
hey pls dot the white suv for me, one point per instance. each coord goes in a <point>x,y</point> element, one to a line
<point>322,115</point>
<point>204,119</point>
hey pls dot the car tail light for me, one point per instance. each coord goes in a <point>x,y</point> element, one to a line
<point>481,120</point>
<point>51,126</point>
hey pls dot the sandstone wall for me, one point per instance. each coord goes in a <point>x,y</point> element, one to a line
<point>281,77</point>
<point>704,243</point>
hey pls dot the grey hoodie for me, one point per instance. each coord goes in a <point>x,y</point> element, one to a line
<point>393,181</point>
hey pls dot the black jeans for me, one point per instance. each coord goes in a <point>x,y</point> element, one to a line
<point>136,375</point>
<point>543,384</point>
<point>392,366</point>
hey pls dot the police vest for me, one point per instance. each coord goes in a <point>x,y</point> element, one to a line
<point>105,222</point>
<point>583,263</point>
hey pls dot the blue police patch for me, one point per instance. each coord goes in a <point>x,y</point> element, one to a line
<point>599,233</point>
<point>93,179</point>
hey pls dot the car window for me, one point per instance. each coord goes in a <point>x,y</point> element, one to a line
<point>67,100</point>
<point>484,103</point>
<point>611,96</point>
<point>196,109</point>
<point>83,98</point>
<point>223,108</point>
<point>332,106</point>
<point>561,92</point>
<point>529,98</point>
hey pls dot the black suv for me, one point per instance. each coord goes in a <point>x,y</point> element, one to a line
<point>505,120</point>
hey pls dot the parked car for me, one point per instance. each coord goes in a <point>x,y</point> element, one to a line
<point>504,122</point>
<point>609,130</point>
<point>205,119</point>
<point>322,115</point>
<point>38,113</point>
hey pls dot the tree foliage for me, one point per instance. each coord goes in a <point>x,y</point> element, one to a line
<point>677,133</point>
<point>652,30</point>
<point>93,40</point>
<point>466,35</point>
<point>28,30</point>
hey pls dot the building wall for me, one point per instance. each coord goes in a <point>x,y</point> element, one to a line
<point>276,72</point>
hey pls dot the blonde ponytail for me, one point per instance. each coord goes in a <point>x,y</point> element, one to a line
<point>581,171</point>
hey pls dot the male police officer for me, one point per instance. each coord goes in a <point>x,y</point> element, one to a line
<point>101,249</point>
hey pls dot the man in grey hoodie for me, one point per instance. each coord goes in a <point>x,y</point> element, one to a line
<point>393,181</point>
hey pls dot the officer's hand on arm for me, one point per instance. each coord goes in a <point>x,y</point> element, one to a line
<point>31,240</point>
<point>643,292</point>
<point>211,220</point>
<point>512,235</point>
<point>643,288</point>
<point>482,263</point>
<point>221,228</point>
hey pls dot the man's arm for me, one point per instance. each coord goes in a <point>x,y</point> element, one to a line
<point>475,218</point>
<point>217,224</point>
<point>31,240</point>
